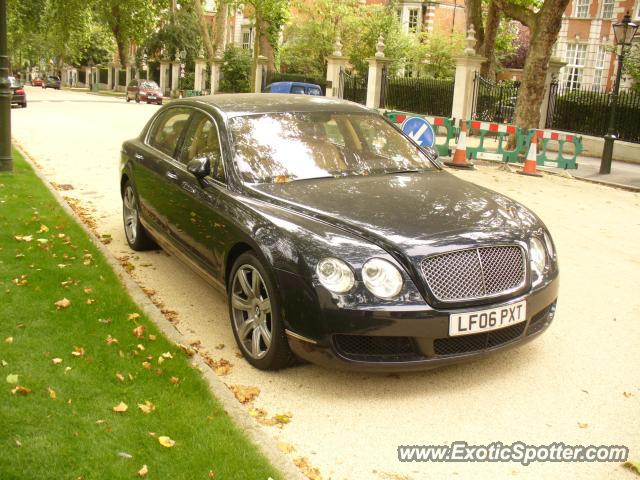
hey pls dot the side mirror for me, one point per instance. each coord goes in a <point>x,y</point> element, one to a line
<point>199,167</point>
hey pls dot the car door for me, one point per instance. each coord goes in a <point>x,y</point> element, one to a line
<point>155,166</point>
<point>195,221</point>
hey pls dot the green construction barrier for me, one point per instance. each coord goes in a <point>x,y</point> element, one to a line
<point>563,159</point>
<point>491,130</point>
<point>443,148</point>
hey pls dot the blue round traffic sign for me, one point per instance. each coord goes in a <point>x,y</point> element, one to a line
<point>419,130</point>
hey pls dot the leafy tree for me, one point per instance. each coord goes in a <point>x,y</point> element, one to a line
<point>236,70</point>
<point>129,21</point>
<point>435,55</point>
<point>178,31</point>
<point>632,66</point>
<point>543,21</point>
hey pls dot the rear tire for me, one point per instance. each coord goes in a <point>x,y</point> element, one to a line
<point>24,105</point>
<point>137,236</point>
<point>256,317</point>
<point>137,98</point>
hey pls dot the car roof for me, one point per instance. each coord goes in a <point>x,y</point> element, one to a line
<point>298,84</point>
<point>239,104</point>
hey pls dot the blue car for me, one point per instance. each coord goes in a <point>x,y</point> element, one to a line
<point>294,87</point>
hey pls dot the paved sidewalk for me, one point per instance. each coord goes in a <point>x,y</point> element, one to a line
<point>622,173</point>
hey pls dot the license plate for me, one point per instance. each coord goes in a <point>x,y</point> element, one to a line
<point>151,97</point>
<point>486,320</point>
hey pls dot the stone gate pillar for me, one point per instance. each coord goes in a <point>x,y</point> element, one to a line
<point>335,64</point>
<point>216,66</point>
<point>555,64</point>
<point>198,80</point>
<point>262,61</point>
<point>164,75</point>
<point>376,67</point>
<point>467,65</point>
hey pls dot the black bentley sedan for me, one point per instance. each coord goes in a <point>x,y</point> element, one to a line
<point>335,237</point>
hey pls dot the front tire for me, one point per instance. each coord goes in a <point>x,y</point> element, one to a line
<point>256,318</point>
<point>137,98</point>
<point>137,237</point>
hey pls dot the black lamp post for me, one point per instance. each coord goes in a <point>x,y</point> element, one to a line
<point>6,162</point>
<point>623,32</point>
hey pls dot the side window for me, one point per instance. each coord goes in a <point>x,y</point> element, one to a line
<point>333,133</point>
<point>202,141</point>
<point>297,89</point>
<point>314,91</point>
<point>167,130</point>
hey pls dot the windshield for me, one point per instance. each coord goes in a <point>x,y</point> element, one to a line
<point>281,147</point>
<point>13,82</point>
<point>149,85</point>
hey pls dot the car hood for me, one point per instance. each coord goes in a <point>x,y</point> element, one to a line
<point>414,214</point>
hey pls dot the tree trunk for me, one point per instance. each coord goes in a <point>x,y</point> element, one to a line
<point>256,50</point>
<point>204,29</point>
<point>220,41</point>
<point>266,48</point>
<point>543,35</point>
<point>488,69</point>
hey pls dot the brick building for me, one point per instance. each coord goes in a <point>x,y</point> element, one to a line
<point>586,42</point>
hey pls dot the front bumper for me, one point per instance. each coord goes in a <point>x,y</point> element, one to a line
<point>18,99</point>
<point>407,338</point>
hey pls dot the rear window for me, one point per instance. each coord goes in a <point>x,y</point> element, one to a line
<point>314,91</point>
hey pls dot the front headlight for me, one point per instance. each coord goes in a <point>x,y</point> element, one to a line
<point>381,278</point>
<point>538,258</point>
<point>335,275</point>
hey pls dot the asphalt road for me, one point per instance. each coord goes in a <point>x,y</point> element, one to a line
<point>579,383</point>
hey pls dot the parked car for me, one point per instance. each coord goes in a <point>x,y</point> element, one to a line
<point>334,236</point>
<point>18,95</point>
<point>52,81</point>
<point>36,82</point>
<point>144,90</point>
<point>294,87</point>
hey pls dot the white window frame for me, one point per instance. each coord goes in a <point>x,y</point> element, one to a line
<point>581,8</point>
<point>598,66</point>
<point>575,57</point>
<point>607,8</point>
<point>247,44</point>
<point>415,13</point>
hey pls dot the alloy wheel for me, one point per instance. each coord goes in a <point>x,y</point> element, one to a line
<point>251,307</point>
<point>130,213</point>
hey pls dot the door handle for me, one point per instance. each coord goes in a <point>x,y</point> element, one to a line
<point>172,175</point>
<point>138,156</point>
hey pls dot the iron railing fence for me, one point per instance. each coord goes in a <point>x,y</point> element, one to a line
<point>427,96</point>
<point>494,101</point>
<point>272,77</point>
<point>586,111</point>
<point>354,87</point>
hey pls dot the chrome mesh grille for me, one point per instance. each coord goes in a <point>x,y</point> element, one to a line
<point>474,273</point>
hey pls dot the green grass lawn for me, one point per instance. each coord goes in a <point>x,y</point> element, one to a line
<point>65,428</point>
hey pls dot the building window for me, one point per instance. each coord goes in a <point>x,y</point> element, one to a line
<point>413,20</point>
<point>210,6</point>
<point>246,40</point>
<point>575,57</point>
<point>607,8</point>
<point>399,13</point>
<point>599,68</point>
<point>581,8</point>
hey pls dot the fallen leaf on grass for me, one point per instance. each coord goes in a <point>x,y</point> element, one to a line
<point>3,363</point>
<point>8,340</point>
<point>166,441</point>
<point>18,443</point>
<point>286,447</point>
<point>78,352</point>
<point>111,340</point>
<point>174,380</point>
<point>310,472</point>
<point>22,390</point>
<point>100,422</point>
<point>12,378</point>
<point>120,377</point>
<point>138,331</point>
<point>23,238</point>
<point>151,337</point>
<point>632,466</point>
<point>91,301</point>
<point>121,408</point>
<point>245,394</point>
<point>147,406</point>
<point>143,471</point>
<point>133,316</point>
<point>125,455</point>
<point>56,361</point>
<point>52,393</point>
<point>167,355</point>
<point>146,365</point>
<point>105,321</point>
<point>67,370</point>
<point>64,303</point>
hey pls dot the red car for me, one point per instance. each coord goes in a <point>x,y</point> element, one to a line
<point>36,82</point>
<point>145,91</point>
